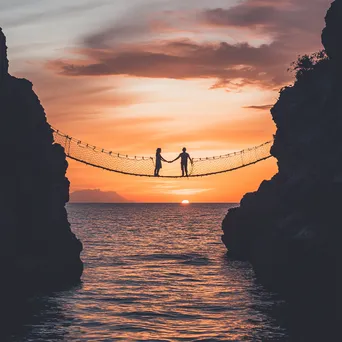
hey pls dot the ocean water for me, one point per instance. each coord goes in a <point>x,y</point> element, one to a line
<point>155,272</point>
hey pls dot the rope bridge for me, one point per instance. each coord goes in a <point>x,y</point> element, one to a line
<point>144,166</point>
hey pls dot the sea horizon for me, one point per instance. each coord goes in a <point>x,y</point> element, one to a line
<point>154,203</point>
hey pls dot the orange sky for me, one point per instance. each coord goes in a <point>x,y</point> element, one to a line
<point>131,78</point>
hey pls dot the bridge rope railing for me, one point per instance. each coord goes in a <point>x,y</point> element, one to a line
<point>144,166</point>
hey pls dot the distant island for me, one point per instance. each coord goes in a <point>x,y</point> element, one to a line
<point>96,196</point>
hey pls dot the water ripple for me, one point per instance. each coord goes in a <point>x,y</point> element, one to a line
<point>154,273</point>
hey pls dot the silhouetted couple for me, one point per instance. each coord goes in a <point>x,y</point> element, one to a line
<point>184,157</point>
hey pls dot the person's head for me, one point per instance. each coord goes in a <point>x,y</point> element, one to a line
<point>158,150</point>
<point>184,149</point>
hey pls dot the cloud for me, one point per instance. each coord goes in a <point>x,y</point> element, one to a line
<point>292,27</point>
<point>278,17</point>
<point>50,14</point>
<point>188,191</point>
<point>9,5</point>
<point>261,107</point>
<point>67,99</point>
<point>94,110</point>
<point>182,59</point>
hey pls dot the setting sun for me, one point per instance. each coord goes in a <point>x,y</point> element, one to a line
<point>185,202</point>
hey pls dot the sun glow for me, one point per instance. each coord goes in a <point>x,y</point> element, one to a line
<point>185,202</point>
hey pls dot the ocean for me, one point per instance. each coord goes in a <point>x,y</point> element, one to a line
<point>155,272</point>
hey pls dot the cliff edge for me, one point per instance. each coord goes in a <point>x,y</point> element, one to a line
<point>291,227</point>
<point>37,246</point>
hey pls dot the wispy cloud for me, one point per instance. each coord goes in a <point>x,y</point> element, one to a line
<point>261,107</point>
<point>50,14</point>
<point>8,5</point>
<point>188,191</point>
<point>76,99</point>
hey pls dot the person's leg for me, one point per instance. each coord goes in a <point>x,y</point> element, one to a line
<point>182,166</point>
<point>186,169</point>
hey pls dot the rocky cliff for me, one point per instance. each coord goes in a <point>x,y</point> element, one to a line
<point>37,246</point>
<point>291,227</point>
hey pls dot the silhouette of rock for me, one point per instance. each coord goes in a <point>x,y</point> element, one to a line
<point>290,228</point>
<point>37,247</point>
<point>331,36</point>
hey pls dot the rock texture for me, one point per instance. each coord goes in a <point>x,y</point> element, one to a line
<point>37,247</point>
<point>290,229</point>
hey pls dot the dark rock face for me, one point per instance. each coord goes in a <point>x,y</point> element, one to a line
<point>331,36</point>
<point>3,56</point>
<point>37,246</point>
<point>291,227</point>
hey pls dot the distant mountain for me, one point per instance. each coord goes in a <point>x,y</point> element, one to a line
<point>96,196</point>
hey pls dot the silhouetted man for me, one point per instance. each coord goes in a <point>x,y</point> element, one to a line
<point>184,156</point>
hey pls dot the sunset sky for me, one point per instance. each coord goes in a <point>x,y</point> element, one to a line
<point>131,76</point>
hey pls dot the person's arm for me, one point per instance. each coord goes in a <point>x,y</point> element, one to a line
<point>176,158</point>
<point>164,159</point>
<point>191,161</point>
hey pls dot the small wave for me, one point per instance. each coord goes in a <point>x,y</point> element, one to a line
<point>184,258</point>
<point>152,314</point>
<point>120,300</point>
<point>198,261</point>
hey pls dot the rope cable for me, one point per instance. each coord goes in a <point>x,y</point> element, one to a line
<point>144,166</point>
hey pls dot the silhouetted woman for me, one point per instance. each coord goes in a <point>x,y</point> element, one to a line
<point>159,160</point>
